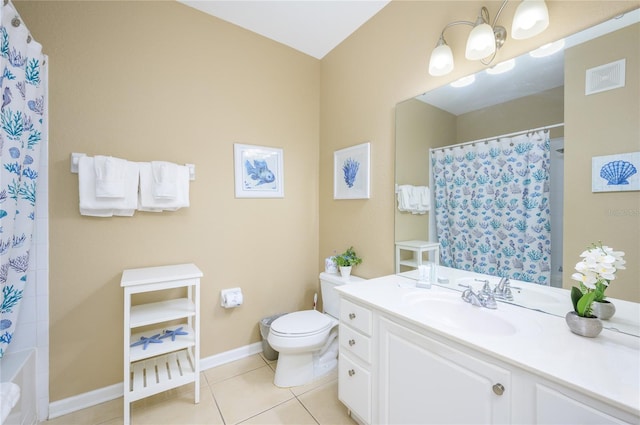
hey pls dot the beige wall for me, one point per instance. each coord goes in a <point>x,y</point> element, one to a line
<point>157,80</point>
<point>539,110</point>
<point>604,123</point>
<point>161,81</point>
<point>420,127</point>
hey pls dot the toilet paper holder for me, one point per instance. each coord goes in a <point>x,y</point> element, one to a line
<point>230,298</point>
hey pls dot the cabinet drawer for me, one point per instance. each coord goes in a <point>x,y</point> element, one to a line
<point>355,316</point>
<point>352,341</point>
<point>354,387</point>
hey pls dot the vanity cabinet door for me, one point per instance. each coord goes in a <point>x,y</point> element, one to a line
<point>561,406</point>
<point>354,387</point>
<point>423,381</point>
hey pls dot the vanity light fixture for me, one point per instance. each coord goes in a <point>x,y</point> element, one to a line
<point>484,41</point>
<point>531,18</point>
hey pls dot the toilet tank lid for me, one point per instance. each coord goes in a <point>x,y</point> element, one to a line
<point>338,279</point>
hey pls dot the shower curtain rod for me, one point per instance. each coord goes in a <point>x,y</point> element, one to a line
<point>517,133</point>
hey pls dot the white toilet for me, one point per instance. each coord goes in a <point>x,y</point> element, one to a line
<point>307,341</point>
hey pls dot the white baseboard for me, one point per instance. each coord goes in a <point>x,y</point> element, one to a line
<point>84,400</point>
<point>230,356</point>
<point>101,395</point>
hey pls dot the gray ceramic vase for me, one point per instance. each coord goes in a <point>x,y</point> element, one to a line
<point>603,310</point>
<point>584,326</point>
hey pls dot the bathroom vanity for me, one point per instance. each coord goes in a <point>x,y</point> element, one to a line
<point>412,355</point>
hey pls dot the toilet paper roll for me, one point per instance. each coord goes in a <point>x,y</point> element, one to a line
<point>232,299</point>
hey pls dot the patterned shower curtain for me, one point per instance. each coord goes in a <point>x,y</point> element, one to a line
<point>22,130</point>
<point>492,207</point>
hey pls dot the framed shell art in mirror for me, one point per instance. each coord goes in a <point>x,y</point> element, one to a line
<point>351,172</point>
<point>259,171</point>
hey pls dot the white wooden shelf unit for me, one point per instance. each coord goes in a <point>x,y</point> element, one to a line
<point>418,248</point>
<point>176,360</point>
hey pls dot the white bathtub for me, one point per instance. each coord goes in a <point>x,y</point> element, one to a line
<point>20,369</point>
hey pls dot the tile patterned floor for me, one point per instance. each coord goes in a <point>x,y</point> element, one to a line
<point>241,392</point>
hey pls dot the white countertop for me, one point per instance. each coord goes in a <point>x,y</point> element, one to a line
<point>543,298</point>
<point>606,367</point>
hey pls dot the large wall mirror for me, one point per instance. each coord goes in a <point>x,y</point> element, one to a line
<point>534,94</point>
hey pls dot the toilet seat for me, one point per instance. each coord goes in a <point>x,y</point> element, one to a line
<point>301,323</point>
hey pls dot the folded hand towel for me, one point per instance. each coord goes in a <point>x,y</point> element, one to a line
<point>414,199</point>
<point>150,203</point>
<point>110,176</point>
<point>424,199</point>
<point>404,197</point>
<point>92,205</point>
<point>165,180</point>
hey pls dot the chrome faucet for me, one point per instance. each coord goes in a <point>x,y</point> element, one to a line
<point>503,290</point>
<point>480,299</point>
<point>486,288</point>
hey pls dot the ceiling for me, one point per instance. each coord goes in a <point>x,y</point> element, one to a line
<point>313,27</point>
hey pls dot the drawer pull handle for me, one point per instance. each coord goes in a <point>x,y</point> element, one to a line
<point>352,372</point>
<point>352,316</point>
<point>498,389</point>
<point>352,342</point>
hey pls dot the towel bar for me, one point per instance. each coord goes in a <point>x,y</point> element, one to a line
<point>75,158</point>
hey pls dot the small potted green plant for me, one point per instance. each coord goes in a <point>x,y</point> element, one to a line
<point>346,261</point>
<point>595,272</point>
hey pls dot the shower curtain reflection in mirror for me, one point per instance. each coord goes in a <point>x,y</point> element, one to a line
<point>492,210</point>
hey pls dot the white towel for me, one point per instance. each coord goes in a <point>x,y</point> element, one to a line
<point>165,180</point>
<point>91,205</point>
<point>424,199</point>
<point>110,176</point>
<point>9,396</point>
<point>404,197</point>
<point>414,199</point>
<point>150,203</point>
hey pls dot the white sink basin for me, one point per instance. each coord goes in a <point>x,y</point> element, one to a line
<point>448,309</point>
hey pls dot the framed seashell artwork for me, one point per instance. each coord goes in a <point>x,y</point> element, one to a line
<point>351,171</point>
<point>615,173</point>
<point>258,171</point>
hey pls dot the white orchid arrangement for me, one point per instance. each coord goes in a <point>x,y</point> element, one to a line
<point>595,272</point>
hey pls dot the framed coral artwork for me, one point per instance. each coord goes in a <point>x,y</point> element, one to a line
<point>351,172</point>
<point>258,171</point>
<point>615,173</point>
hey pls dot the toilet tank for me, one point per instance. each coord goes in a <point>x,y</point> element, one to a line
<point>330,298</point>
